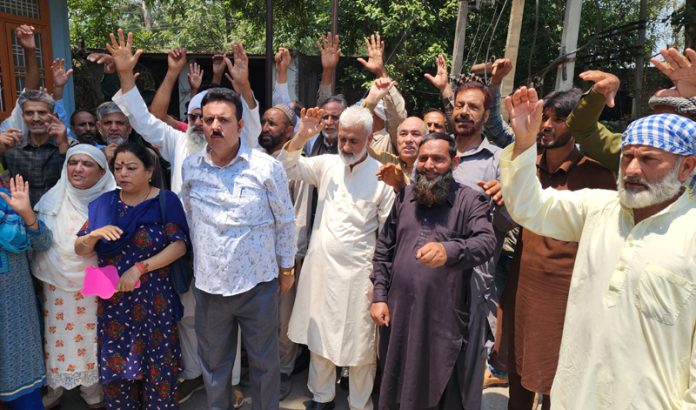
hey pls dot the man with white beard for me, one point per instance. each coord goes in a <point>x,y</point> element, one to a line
<point>331,314</point>
<point>175,146</point>
<point>631,315</point>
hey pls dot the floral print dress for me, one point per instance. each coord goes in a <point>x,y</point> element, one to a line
<point>137,331</point>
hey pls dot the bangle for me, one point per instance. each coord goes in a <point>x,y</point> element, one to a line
<point>141,267</point>
<point>287,271</point>
<point>36,219</point>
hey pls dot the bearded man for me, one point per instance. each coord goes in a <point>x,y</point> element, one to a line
<point>437,232</point>
<point>631,314</point>
<point>330,314</point>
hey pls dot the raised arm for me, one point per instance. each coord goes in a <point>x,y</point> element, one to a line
<point>282,63</point>
<point>176,62</point>
<point>303,168</point>
<point>124,59</point>
<point>26,40</point>
<point>239,74</point>
<point>60,77</point>
<point>441,81</point>
<point>329,48</point>
<point>495,128</point>
<point>680,68</point>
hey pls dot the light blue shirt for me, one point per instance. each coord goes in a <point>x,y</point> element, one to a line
<point>241,218</point>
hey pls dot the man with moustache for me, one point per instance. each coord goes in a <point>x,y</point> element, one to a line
<point>631,313</point>
<point>84,127</point>
<point>435,120</point>
<point>396,171</point>
<point>532,306</point>
<point>436,233</point>
<point>330,314</point>
<point>40,159</point>
<point>175,146</point>
<point>113,126</point>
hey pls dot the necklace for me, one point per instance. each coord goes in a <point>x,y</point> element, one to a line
<point>127,204</point>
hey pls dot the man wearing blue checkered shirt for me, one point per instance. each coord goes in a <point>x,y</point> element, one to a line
<point>628,339</point>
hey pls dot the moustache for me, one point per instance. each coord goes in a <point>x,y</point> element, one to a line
<point>216,134</point>
<point>462,118</point>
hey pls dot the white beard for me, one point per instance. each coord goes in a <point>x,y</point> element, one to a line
<point>195,142</point>
<point>352,158</point>
<point>657,192</point>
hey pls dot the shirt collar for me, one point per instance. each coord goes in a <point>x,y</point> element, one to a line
<point>50,141</point>
<point>244,153</point>
<point>573,157</point>
<point>484,145</point>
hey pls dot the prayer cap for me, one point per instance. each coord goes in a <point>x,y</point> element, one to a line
<point>681,105</point>
<point>288,112</point>
<point>668,132</point>
<point>195,102</point>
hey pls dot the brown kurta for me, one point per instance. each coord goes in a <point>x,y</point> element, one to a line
<point>533,304</point>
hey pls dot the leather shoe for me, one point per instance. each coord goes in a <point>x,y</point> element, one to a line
<point>315,405</point>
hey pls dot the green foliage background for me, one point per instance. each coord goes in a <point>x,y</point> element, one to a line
<point>415,31</point>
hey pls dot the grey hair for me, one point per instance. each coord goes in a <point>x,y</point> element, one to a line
<point>107,108</point>
<point>355,115</point>
<point>424,128</point>
<point>36,95</point>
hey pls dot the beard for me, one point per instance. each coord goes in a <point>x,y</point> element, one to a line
<point>116,139</point>
<point>658,191</point>
<point>269,141</point>
<point>352,159</point>
<point>559,142</point>
<point>432,192</point>
<point>469,129</point>
<point>195,141</point>
<point>87,137</point>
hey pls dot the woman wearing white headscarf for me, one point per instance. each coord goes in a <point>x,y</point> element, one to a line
<point>70,318</point>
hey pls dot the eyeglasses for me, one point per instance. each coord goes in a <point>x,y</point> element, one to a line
<point>193,117</point>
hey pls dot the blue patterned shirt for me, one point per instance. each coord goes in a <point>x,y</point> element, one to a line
<point>241,219</point>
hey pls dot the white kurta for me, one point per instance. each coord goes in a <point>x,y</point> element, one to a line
<point>628,340</point>
<point>331,311</point>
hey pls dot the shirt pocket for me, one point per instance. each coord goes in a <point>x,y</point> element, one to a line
<point>248,206</point>
<point>662,295</point>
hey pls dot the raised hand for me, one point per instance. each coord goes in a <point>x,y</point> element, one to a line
<point>105,59</point>
<point>680,68</point>
<point>282,60</point>
<point>220,62</point>
<point>195,78</point>
<point>330,52</point>
<point>60,76</point>
<point>121,51</point>
<point>25,37</point>
<point>239,69</point>
<point>176,60</point>
<point>501,68</point>
<point>606,84</point>
<point>525,109</point>
<point>18,199</point>
<point>379,88</point>
<point>440,80</point>
<point>375,55</point>
<point>310,124</point>
<point>57,129</point>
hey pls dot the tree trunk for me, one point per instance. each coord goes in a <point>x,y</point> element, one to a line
<point>690,23</point>
<point>146,16</point>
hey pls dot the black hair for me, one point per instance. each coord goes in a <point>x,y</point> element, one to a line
<point>475,85</point>
<point>429,110</point>
<point>140,151</point>
<point>562,102</point>
<point>72,116</point>
<point>224,94</point>
<point>444,137</point>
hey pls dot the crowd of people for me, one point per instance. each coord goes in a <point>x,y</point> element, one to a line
<point>423,258</point>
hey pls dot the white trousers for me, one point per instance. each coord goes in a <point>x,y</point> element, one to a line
<point>90,394</point>
<point>189,343</point>
<point>322,382</point>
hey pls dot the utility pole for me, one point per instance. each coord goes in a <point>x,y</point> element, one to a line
<point>512,48</point>
<point>334,31</point>
<point>640,61</point>
<point>270,62</point>
<point>569,42</point>
<point>459,38</point>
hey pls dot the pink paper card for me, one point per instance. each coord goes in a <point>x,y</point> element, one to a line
<point>102,281</point>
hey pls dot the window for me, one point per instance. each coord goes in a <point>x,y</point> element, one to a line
<point>14,13</point>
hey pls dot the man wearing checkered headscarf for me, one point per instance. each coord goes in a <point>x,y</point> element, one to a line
<point>631,315</point>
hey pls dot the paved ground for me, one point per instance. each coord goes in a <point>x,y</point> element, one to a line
<point>493,398</point>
